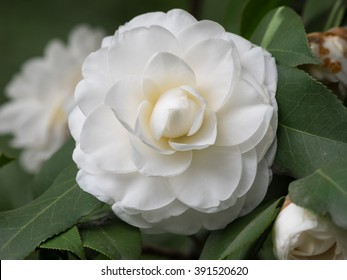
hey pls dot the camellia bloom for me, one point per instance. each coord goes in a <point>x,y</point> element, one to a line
<point>41,97</point>
<point>300,234</point>
<point>174,122</point>
<point>331,48</point>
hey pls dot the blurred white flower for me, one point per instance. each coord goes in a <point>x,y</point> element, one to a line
<point>41,97</point>
<point>174,122</point>
<point>331,48</point>
<point>300,234</point>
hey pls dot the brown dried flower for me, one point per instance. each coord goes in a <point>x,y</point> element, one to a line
<point>331,48</point>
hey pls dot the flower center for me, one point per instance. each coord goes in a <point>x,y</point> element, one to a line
<point>176,114</point>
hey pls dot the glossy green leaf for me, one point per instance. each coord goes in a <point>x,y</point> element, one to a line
<point>69,240</point>
<point>254,11</point>
<point>324,192</point>
<point>239,239</point>
<point>312,128</point>
<point>282,33</point>
<point>23,229</point>
<point>116,240</point>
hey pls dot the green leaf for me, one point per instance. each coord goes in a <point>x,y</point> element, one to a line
<point>4,159</point>
<point>23,229</point>
<point>116,240</point>
<point>51,168</point>
<point>324,192</point>
<point>323,15</point>
<point>15,187</point>
<point>312,128</point>
<point>254,11</point>
<point>282,33</point>
<point>69,240</point>
<point>239,239</point>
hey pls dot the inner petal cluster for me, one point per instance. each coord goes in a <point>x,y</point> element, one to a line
<point>177,113</point>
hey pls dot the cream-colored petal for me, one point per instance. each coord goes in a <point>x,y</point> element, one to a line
<point>106,141</point>
<point>212,177</point>
<point>163,72</point>
<point>221,57</point>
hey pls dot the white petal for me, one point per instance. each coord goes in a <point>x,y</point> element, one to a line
<point>18,114</point>
<point>135,220</point>
<point>165,71</point>
<point>106,42</point>
<point>151,163</point>
<point>90,184</point>
<point>28,120</point>
<point>187,223</point>
<point>124,98</point>
<point>237,125</point>
<point>198,32</point>
<point>130,190</point>
<point>212,177</point>
<point>143,192</point>
<point>215,221</point>
<point>264,131</point>
<point>271,75</point>
<point>175,208</point>
<point>191,221</point>
<point>91,91</point>
<point>259,188</point>
<point>75,122</point>
<point>85,162</point>
<point>106,141</point>
<point>175,20</point>
<point>143,131</point>
<point>240,43</point>
<point>254,62</point>
<point>83,40</point>
<point>216,72</point>
<point>290,223</point>
<point>130,52</point>
<point>249,172</point>
<point>205,136</point>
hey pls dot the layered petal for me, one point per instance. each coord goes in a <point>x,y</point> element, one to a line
<point>204,137</point>
<point>199,32</point>
<point>222,57</point>
<point>202,186</point>
<point>106,141</point>
<point>151,163</point>
<point>257,192</point>
<point>124,98</point>
<point>131,190</point>
<point>163,72</point>
<point>129,54</point>
<point>91,91</point>
<point>174,20</point>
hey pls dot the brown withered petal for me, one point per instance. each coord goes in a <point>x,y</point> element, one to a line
<point>331,48</point>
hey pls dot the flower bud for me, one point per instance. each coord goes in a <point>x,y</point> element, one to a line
<point>301,234</point>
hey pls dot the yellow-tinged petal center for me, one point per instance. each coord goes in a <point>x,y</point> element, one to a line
<point>174,114</point>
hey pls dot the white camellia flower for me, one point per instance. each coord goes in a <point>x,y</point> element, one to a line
<point>41,97</point>
<point>300,234</point>
<point>174,122</point>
